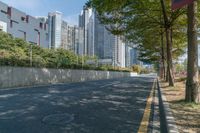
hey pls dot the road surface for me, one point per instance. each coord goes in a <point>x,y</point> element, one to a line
<point>105,106</point>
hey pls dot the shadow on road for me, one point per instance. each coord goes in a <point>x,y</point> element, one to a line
<point>106,106</point>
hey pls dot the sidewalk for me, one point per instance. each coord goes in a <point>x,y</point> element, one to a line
<point>187,115</point>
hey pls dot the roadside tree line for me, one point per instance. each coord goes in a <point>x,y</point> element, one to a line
<point>159,33</point>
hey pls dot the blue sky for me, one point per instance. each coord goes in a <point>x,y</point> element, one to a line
<point>70,8</point>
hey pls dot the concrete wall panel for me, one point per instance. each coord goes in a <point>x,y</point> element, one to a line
<point>21,76</point>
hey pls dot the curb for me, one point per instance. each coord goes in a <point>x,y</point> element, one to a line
<point>168,123</point>
<point>156,113</point>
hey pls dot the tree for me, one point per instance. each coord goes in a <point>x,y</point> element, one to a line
<point>143,23</point>
<point>192,84</point>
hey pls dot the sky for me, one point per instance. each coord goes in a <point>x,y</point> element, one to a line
<point>70,8</point>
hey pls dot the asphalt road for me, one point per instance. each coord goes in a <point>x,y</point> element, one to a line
<point>105,106</point>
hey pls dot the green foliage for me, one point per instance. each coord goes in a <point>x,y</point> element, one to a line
<point>17,52</point>
<point>136,68</point>
<point>111,68</point>
<point>179,68</point>
<point>142,22</point>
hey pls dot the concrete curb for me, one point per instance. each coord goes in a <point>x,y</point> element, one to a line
<point>156,113</point>
<point>168,122</point>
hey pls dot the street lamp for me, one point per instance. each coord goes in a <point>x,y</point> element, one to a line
<point>31,56</point>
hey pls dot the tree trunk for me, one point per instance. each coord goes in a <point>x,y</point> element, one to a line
<point>167,73</point>
<point>192,84</point>
<point>163,57</point>
<point>169,58</point>
<point>169,45</point>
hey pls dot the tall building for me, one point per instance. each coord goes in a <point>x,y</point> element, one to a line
<point>78,40</point>
<point>99,41</point>
<point>67,36</point>
<point>55,24</point>
<point>99,38</point>
<point>132,56</point>
<point>91,31</point>
<point>20,25</point>
<point>118,52</point>
<point>86,21</point>
<point>64,35</point>
<point>128,56</point>
<point>71,37</point>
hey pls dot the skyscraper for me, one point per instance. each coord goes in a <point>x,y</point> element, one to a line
<point>55,24</point>
<point>118,51</point>
<point>99,41</point>
<point>78,40</point>
<point>86,21</point>
<point>67,36</point>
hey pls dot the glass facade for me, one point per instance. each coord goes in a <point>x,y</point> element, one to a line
<point>55,25</point>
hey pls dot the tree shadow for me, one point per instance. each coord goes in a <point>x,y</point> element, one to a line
<point>96,108</point>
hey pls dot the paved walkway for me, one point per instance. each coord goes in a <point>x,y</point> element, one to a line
<point>106,106</point>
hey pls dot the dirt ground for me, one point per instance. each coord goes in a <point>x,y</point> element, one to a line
<point>187,115</point>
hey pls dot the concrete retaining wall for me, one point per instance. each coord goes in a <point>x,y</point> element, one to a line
<point>21,76</point>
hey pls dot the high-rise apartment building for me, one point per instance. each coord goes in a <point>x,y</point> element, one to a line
<point>54,29</point>
<point>86,21</point>
<point>67,36</point>
<point>64,35</point>
<point>118,51</point>
<point>99,41</point>
<point>78,41</point>
<point>128,56</point>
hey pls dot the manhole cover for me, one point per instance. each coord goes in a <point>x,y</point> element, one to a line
<point>58,119</point>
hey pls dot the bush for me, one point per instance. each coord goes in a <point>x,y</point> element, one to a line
<point>136,68</point>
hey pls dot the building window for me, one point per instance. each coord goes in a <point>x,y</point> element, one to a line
<point>23,19</point>
<point>47,37</point>
<point>38,36</point>
<point>27,19</point>
<point>41,25</point>
<point>45,26</point>
<point>25,36</point>
<point>9,11</point>
<point>11,23</point>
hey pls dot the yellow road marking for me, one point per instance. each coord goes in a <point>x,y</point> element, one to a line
<point>145,120</point>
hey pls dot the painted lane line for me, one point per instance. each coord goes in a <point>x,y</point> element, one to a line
<point>146,116</point>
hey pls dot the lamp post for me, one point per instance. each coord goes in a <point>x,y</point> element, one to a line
<point>31,56</point>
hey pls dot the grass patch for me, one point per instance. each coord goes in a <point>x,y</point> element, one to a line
<point>188,105</point>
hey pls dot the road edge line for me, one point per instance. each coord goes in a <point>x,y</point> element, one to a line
<point>147,112</point>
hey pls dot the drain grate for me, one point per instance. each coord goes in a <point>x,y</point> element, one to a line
<point>58,119</point>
